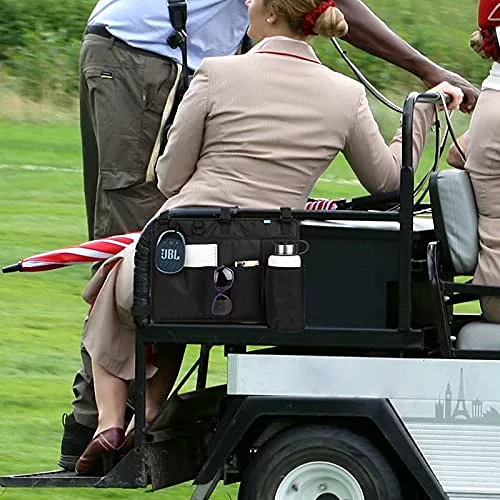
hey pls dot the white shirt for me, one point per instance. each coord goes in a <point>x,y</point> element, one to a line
<point>214,27</point>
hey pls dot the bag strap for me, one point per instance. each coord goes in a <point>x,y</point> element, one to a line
<point>246,44</point>
<point>170,223</point>
<point>225,220</point>
<point>177,10</point>
<point>286,219</point>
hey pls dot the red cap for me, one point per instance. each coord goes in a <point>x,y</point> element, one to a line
<point>488,15</point>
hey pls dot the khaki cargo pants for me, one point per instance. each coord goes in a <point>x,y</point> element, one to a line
<point>123,92</point>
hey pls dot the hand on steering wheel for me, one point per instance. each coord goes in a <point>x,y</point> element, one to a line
<point>455,93</point>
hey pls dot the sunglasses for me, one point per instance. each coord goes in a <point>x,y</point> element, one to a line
<point>222,305</point>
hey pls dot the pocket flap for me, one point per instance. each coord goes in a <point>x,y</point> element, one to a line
<point>94,72</point>
<point>117,179</point>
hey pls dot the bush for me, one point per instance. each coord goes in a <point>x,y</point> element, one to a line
<point>440,30</point>
<point>19,18</point>
<point>46,66</point>
<point>10,27</point>
<point>39,43</point>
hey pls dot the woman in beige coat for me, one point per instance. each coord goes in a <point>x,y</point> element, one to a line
<point>257,130</point>
<point>482,145</point>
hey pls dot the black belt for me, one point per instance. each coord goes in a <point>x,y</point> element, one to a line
<point>99,30</point>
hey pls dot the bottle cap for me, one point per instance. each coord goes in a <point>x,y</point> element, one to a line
<point>286,249</point>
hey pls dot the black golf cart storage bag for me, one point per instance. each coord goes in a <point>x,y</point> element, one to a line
<point>189,248</point>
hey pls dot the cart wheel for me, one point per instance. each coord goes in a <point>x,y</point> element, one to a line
<point>319,463</point>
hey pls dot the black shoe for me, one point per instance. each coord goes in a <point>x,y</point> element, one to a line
<point>75,439</point>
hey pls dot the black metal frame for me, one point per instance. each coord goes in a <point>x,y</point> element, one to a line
<point>142,308</point>
<point>406,195</point>
<point>445,294</point>
<point>441,307</point>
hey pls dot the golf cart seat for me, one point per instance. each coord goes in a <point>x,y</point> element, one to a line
<point>479,335</point>
<point>455,254</point>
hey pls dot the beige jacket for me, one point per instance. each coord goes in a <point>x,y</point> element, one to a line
<point>257,130</point>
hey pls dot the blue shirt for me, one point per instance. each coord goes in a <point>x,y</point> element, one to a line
<point>214,27</point>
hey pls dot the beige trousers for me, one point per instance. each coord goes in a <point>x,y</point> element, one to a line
<point>483,164</point>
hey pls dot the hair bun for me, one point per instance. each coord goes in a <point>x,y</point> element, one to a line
<point>331,24</point>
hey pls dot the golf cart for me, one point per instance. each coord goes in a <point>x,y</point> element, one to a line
<point>370,387</point>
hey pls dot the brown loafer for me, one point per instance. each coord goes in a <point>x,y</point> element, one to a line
<point>108,440</point>
<point>128,443</point>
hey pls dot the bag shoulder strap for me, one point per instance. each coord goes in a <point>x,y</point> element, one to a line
<point>177,10</point>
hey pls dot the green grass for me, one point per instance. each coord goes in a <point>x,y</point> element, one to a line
<point>56,145</point>
<point>41,314</point>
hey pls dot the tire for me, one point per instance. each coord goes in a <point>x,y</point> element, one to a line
<point>319,463</point>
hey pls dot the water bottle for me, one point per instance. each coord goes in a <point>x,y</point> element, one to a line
<point>283,289</point>
<point>285,255</point>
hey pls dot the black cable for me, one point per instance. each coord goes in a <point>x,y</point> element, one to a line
<point>369,86</point>
<point>439,145</point>
<point>424,182</point>
<point>453,136</point>
<point>438,149</point>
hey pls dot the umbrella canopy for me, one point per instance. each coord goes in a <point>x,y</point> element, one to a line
<point>91,251</point>
<point>321,204</point>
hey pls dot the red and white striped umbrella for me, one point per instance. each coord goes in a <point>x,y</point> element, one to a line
<point>102,249</point>
<point>91,251</point>
<point>321,204</point>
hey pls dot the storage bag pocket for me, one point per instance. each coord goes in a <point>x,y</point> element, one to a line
<point>186,295</point>
<point>189,296</point>
<point>247,295</point>
<point>284,298</point>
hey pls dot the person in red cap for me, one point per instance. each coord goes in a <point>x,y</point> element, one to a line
<point>481,144</point>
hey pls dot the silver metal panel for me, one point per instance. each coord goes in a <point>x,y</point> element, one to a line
<point>421,223</point>
<point>451,408</point>
<point>476,496</point>
<point>465,458</point>
<point>363,377</point>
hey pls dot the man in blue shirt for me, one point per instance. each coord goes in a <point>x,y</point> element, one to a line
<point>128,75</point>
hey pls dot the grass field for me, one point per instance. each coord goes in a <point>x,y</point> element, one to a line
<point>41,208</point>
